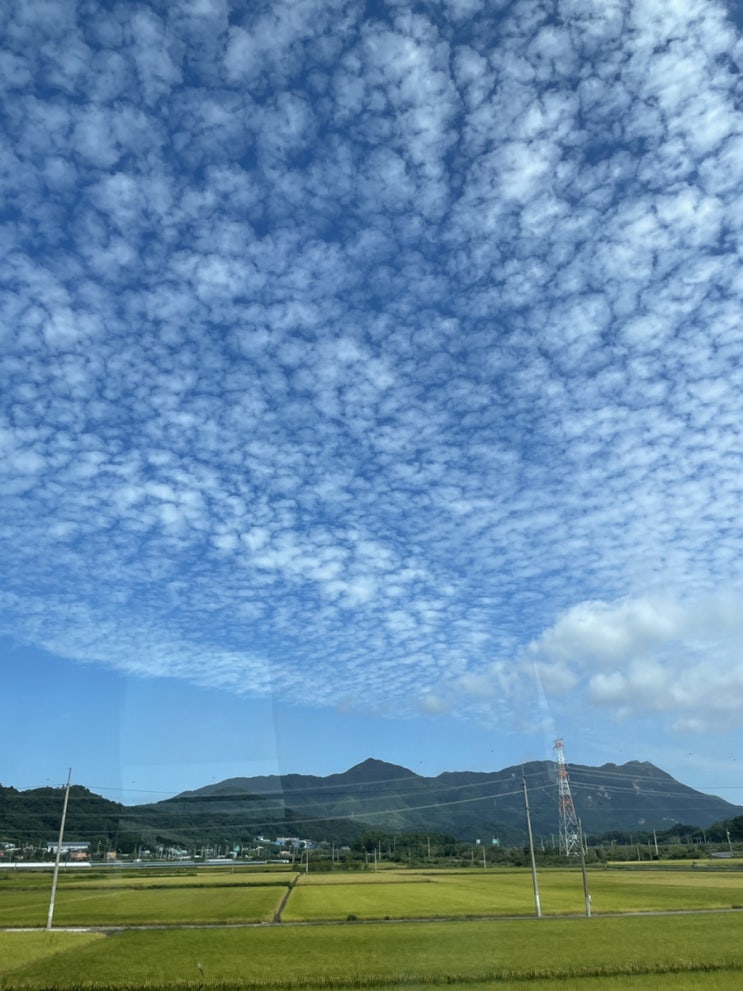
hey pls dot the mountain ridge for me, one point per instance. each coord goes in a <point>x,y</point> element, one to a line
<point>366,772</point>
<point>375,795</point>
<point>636,794</point>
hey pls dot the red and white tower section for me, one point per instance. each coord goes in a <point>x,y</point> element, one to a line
<point>570,838</point>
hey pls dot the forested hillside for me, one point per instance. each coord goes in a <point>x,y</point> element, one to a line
<point>625,800</point>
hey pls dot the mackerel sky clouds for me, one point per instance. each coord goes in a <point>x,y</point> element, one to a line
<point>378,364</point>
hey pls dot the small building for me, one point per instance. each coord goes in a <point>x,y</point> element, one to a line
<point>72,849</point>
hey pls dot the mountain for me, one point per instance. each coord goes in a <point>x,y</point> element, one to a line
<point>372,795</point>
<point>30,819</point>
<point>469,804</point>
<point>33,816</point>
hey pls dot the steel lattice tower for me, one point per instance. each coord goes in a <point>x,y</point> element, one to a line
<point>569,829</point>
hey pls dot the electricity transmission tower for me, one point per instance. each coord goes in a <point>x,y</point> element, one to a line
<point>570,838</point>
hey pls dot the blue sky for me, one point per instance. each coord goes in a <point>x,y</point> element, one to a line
<point>371,385</point>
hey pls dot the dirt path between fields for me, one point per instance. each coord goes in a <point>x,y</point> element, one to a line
<point>282,904</point>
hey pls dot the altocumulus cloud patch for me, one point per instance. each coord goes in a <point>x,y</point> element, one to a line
<point>396,345</point>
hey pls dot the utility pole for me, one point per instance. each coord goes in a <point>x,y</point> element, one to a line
<point>586,895</point>
<point>50,916</point>
<point>537,906</point>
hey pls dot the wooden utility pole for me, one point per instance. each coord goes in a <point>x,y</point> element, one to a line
<point>535,884</point>
<point>50,916</point>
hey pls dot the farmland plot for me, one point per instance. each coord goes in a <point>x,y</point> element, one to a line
<point>129,901</point>
<point>604,954</point>
<point>409,896</point>
<point>432,894</point>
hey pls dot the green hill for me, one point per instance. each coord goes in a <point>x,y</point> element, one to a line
<point>373,795</point>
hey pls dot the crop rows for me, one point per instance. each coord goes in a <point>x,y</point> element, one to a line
<point>685,949</point>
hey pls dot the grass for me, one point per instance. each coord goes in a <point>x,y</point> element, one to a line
<point>606,954</point>
<point>431,894</point>
<point>406,897</point>
<point>149,878</point>
<point>722,980</point>
<point>640,891</point>
<point>229,896</point>
<point>132,906</point>
<point>623,953</point>
<point>22,948</point>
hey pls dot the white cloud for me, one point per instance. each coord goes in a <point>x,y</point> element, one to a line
<point>654,654</point>
<point>598,633</point>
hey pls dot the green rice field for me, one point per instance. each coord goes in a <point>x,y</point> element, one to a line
<point>414,929</point>
<point>431,894</point>
<point>606,953</point>
<point>143,898</point>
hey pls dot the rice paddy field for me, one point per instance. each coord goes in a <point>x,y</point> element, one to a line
<point>463,894</point>
<point>410,929</point>
<point>109,898</point>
